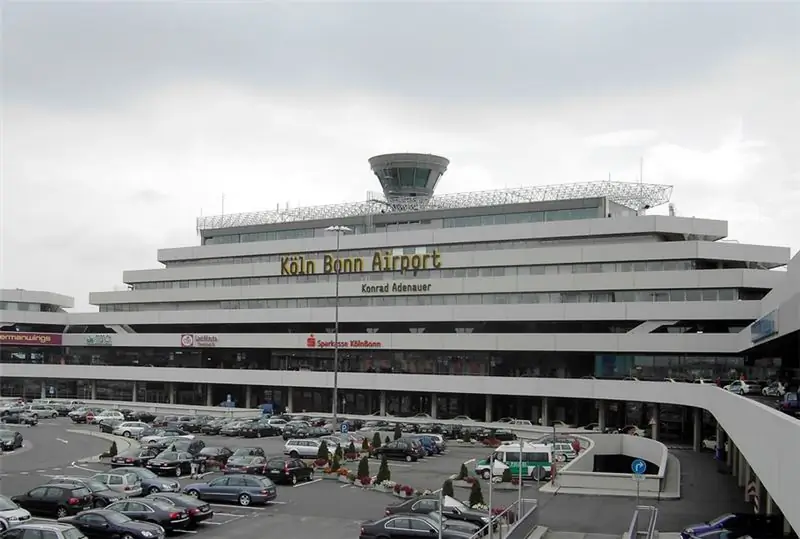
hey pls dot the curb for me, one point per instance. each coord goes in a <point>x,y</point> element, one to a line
<point>123,444</point>
<point>538,532</point>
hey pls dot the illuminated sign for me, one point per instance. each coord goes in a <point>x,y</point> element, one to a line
<point>313,342</point>
<point>764,327</point>
<point>30,339</point>
<point>396,288</point>
<point>190,340</point>
<point>379,262</point>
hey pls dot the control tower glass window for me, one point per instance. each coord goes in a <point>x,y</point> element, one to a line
<point>404,178</point>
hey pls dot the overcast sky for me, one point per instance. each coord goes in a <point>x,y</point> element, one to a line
<point>121,122</point>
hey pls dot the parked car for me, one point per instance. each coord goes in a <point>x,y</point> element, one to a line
<point>51,530</point>
<point>402,449</point>
<point>242,489</point>
<point>743,387</point>
<point>774,389</point>
<point>197,510</point>
<point>152,483</point>
<point>246,465</point>
<point>20,418</point>
<point>160,435</point>
<point>259,429</point>
<point>175,463</point>
<point>402,526</point>
<point>193,447</point>
<point>214,457</point>
<point>107,426</point>
<point>11,514</point>
<point>137,457</point>
<point>55,500</point>
<point>739,523</point>
<point>307,448</point>
<point>451,508</point>
<point>790,404</point>
<point>167,516</point>
<point>10,440</point>
<point>122,481</point>
<point>38,411</point>
<point>131,429</point>
<point>106,524</point>
<point>101,494</point>
<point>106,415</point>
<point>248,452</point>
<point>213,427</point>
<point>288,470</point>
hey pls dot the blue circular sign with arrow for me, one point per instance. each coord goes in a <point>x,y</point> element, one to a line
<point>639,466</point>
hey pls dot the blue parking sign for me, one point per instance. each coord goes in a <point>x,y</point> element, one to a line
<point>345,427</point>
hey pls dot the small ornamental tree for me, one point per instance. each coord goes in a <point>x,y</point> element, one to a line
<point>506,475</point>
<point>112,451</point>
<point>322,452</point>
<point>462,472</point>
<point>364,445</point>
<point>383,472</point>
<point>447,488</point>
<point>337,463</point>
<point>363,468</point>
<point>387,441</point>
<point>351,449</point>
<point>475,495</point>
<point>376,440</point>
<point>398,432</point>
<point>465,436</point>
<point>338,453</point>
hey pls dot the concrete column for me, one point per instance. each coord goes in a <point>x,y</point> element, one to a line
<point>94,390</point>
<point>248,396</point>
<point>655,422</point>
<point>520,410</point>
<point>545,421</point>
<point>289,399</point>
<point>769,505</point>
<point>762,495</point>
<point>489,412</point>
<point>370,409</point>
<point>382,403</point>
<point>43,392</point>
<point>697,438</point>
<point>744,469</point>
<point>171,391</point>
<point>746,477</point>
<point>434,406</point>
<point>209,396</point>
<point>134,396</point>
<point>729,454</point>
<point>602,412</point>
<point>577,416</point>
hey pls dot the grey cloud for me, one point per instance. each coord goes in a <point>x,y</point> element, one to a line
<point>91,54</point>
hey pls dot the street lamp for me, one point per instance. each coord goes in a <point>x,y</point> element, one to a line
<point>337,266</point>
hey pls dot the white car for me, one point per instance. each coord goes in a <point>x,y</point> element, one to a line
<point>38,411</point>
<point>108,414</point>
<point>743,387</point>
<point>306,448</point>
<point>775,389</point>
<point>131,429</point>
<point>279,424</point>
<point>561,425</point>
<point>521,422</point>
<point>11,513</point>
<point>162,434</point>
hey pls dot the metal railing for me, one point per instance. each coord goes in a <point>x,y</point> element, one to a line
<point>635,531</point>
<point>505,522</point>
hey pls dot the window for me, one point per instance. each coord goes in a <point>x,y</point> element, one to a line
<point>38,492</point>
<point>221,482</point>
<point>421,526</point>
<point>399,524</point>
<point>425,506</point>
<point>13,534</point>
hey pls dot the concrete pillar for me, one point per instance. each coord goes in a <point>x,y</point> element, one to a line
<point>370,409</point>
<point>248,396</point>
<point>545,420</point>
<point>489,413</point>
<point>655,422</point>
<point>769,505</point>
<point>746,477</point>
<point>134,396</point>
<point>602,412</point>
<point>382,403</point>
<point>434,405</point>
<point>577,414</point>
<point>729,454</point>
<point>43,392</point>
<point>761,494</point>
<point>209,396</point>
<point>697,424</point>
<point>520,410</point>
<point>94,390</point>
<point>290,399</point>
<point>171,390</point>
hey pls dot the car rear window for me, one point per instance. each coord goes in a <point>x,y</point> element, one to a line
<point>132,478</point>
<point>80,492</point>
<point>276,463</point>
<point>72,533</point>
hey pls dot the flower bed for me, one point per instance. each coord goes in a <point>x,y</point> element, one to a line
<point>363,482</point>
<point>384,486</point>
<point>492,442</point>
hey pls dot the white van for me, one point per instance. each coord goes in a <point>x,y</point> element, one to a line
<point>536,461</point>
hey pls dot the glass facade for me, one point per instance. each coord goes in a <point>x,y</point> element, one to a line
<point>35,307</point>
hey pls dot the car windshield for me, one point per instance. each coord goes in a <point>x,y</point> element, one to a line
<point>168,455</point>
<point>116,518</point>
<point>276,463</point>
<point>95,485</point>
<point>6,504</point>
<point>452,502</point>
<point>242,452</point>
<point>720,520</point>
<point>241,459</point>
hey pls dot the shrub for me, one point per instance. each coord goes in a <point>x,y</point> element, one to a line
<point>462,472</point>
<point>387,441</point>
<point>475,495</point>
<point>507,475</point>
<point>322,452</point>
<point>112,451</point>
<point>376,440</point>
<point>363,467</point>
<point>515,481</point>
<point>447,488</point>
<point>338,453</point>
<point>465,436</point>
<point>337,462</point>
<point>383,472</point>
<point>351,477</point>
<point>364,445</point>
<point>352,448</point>
<point>397,488</point>
<point>398,432</point>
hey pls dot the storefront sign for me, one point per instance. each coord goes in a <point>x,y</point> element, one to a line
<point>764,327</point>
<point>19,338</point>
<point>191,340</point>
<point>99,340</point>
<point>380,261</point>
<point>313,342</point>
<point>395,288</point>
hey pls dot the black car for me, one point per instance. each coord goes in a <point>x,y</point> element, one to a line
<point>152,483</point>
<point>214,457</point>
<point>195,424</point>
<point>402,526</point>
<point>108,425</point>
<point>55,500</point>
<point>258,429</point>
<point>139,457</point>
<point>175,463</point>
<point>192,447</point>
<point>105,524</point>
<point>246,464</point>
<point>288,470</point>
<point>295,429</point>
<point>248,452</point>
<point>101,494</point>
<point>451,509</point>
<point>403,449</point>
<point>213,427</point>
<point>165,515</point>
<point>20,418</point>
<point>10,440</point>
<point>197,510</point>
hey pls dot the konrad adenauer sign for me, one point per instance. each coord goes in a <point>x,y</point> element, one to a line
<point>381,261</point>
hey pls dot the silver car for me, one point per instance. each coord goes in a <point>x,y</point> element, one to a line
<point>49,530</point>
<point>306,448</point>
<point>125,483</point>
<point>131,429</point>
<point>11,514</point>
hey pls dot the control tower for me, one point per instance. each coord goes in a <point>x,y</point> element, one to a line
<point>408,174</point>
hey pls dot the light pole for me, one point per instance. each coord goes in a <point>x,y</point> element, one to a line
<point>337,266</point>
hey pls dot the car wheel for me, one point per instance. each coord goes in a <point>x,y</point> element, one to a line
<point>409,458</point>
<point>98,504</point>
<point>61,512</point>
<point>126,434</point>
<point>36,416</point>
<point>193,493</point>
<point>127,536</point>
<point>486,475</point>
<point>293,479</point>
<point>244,500</point>
<point>153,490</point>
<point>178,471</point>
<point>201,468</point>
<point>3,525</point>
<point>537,474</point>
<point>294,454</point>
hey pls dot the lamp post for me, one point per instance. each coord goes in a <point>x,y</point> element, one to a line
<point>337,266</point>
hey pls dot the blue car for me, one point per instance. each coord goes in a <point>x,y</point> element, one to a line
<point>243,489</point>
<point>734,525</point>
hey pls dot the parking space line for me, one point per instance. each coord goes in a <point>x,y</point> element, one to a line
<point>216,523</point>
<point>187,531</point>
<point>308,482</point>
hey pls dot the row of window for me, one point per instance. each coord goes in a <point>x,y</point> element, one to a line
<point>454,222</point>
<point>443,248</point>
<point>498,271</point>
<point>34,307</point>
<point>619,296</point>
